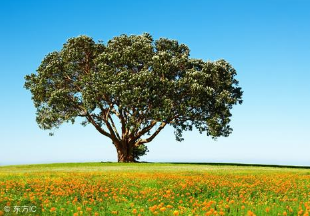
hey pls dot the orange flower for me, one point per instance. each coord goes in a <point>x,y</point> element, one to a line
<point>208,213</point>
<point>250,213</point>
<point>162,209</point>
<point>176,212</point>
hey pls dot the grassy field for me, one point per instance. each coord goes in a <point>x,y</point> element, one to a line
<point>156,189</point>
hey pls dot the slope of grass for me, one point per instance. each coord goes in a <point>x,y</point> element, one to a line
<point>150,167</point>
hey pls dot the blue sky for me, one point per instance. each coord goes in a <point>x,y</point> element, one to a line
<point>267,41</point>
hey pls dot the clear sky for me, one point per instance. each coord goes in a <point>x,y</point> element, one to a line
<point>267,41</point>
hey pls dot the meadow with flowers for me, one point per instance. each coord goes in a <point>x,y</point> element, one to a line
<point>157,189</point>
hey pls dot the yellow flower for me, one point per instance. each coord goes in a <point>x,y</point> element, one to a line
<point>162,209</point>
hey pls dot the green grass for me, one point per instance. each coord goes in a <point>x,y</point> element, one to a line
<point>158,188</point>
<point>166,167</point>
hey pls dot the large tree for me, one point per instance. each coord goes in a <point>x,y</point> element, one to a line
<point>131,88</point>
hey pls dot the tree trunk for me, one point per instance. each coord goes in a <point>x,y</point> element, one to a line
<point>125,154</point>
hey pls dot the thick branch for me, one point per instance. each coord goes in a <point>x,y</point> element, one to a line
<point>122,120</point>
<point>105,118</point>
<point>113,126</point>
<point>125,130</point>
<point>142,132</point>
<point>162,125</point>
<point>91,120</point>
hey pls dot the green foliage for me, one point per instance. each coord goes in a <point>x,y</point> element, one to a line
<point>142,82</point>
<point>139,151</point>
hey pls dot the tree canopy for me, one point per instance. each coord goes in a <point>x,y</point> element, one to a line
<point>133,86</point>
